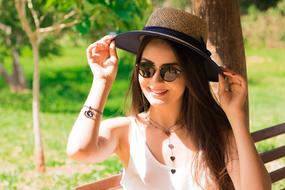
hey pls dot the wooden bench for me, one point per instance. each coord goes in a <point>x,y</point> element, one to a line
<point>113,182</point>
<point>274,154</point>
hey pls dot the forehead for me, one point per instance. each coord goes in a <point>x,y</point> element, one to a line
<point>159,52</point>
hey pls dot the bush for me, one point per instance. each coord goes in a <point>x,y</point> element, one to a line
<point>265,28</point>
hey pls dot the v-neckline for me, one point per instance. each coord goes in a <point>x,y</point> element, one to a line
<point>152,156</point>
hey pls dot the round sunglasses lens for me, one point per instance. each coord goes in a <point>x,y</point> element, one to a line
<point>169,73</point>
<point>146,71</point>
<point>169,77</point>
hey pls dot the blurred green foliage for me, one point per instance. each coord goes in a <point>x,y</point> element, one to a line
<point>268,26</point>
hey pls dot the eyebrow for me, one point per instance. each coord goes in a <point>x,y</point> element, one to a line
<point>172,63</point>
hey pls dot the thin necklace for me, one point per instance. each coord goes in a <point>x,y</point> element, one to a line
<point>167,131</point>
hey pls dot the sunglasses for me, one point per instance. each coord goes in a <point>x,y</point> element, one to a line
<point>168,72</point>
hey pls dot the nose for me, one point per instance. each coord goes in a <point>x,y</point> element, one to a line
<point>156,77</point>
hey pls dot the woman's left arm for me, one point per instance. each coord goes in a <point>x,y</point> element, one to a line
<point>248,172</point>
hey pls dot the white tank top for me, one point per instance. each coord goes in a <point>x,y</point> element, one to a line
<point>144,172</point>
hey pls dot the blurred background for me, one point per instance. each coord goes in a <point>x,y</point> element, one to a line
<point>65,80</point>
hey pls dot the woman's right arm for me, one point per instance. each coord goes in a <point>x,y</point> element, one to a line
<point>85,143</point>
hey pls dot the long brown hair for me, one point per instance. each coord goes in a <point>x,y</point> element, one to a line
<point>204,119</point>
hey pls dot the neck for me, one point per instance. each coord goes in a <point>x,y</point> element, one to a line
<point>165,116</point>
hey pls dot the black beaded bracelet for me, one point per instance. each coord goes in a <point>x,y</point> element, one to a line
<point>92,112</point>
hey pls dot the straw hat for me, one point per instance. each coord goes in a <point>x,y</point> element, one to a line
<point>174,25</point>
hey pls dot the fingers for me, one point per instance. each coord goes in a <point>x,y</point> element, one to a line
<point>113,54</point>
<point>101,49</point>
<point>112,50</point>
<point>103,42</point>
<point>231,82</point>
<point>107,38</point>
<point>97,47</point>
<point>235,79</point>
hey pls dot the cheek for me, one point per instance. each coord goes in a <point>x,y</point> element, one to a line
<point>180,86</point>
<point>142,82</point>
<point>180,90</point>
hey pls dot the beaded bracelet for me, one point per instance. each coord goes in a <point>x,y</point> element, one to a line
<point>92,112</point>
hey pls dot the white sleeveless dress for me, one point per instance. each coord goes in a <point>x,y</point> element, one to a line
<point>144,172</point>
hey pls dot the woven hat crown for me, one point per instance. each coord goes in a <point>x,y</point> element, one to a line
<point>180,21</point>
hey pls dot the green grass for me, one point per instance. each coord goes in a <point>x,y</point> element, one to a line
<point>266,76</point>
<point>65,82</point>
<point>266,73</point>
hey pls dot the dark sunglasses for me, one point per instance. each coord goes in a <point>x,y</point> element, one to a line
<point>168,72</point>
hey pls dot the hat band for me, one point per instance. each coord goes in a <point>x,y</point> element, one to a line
<point>190,40</point>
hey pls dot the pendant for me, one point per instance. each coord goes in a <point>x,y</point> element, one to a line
<point>171,146</point>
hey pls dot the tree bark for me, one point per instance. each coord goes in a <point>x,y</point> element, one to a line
<point>18,74</point>
<point>225,39</point>
<point>5,74</point>
<point>39,153</point>
<point>16,81</point>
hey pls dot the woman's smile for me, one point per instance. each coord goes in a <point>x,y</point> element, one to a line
<point>157,92</point>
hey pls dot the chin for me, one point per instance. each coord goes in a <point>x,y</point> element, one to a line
<point>156,102</point>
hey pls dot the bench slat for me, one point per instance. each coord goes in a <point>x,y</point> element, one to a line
<point>274,154</point>
<point>277,174</point>
<point>268,132</point>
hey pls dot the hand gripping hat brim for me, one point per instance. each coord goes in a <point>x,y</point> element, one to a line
<point>177,26</point>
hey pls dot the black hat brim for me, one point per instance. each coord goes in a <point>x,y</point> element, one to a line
<point>130,41</point>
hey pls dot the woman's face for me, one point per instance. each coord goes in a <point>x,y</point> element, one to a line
<point>158,54</point>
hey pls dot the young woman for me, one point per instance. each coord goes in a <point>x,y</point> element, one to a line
<point>178,136</point>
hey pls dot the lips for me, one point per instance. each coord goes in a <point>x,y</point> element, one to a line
<point>157,92</point>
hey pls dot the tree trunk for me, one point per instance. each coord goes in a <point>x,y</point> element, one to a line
<point>225,39</point>
<point>39,153</point>
<point>34,41</point>
<point>225,35</point>
<point>5,74</point>
<point>16,81</point>
<point>18,74</point>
